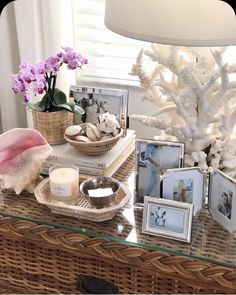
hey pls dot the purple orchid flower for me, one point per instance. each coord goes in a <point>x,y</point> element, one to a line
<point>41,78</point>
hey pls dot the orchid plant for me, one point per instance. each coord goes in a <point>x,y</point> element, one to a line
<point>41,79</point>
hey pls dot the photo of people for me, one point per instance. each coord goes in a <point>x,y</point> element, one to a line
<point>221,195</point>
<point>184,185</point>
<point>96,101</point>
<point>183,190</point>
<point>225,201</point>
<point>160,217</point>
<point>166,218</point>
<point>92,106</point>
<point>153,159</point>
<point>148,171</point>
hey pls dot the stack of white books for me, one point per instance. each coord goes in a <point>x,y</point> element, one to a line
<point>103,165</point>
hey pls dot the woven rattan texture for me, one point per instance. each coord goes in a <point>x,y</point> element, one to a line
<point>209,240</point>
<point>52,125</point>
<point>38,258</point>
<point>44,259</point>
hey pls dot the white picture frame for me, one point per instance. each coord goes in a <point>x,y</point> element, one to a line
<point>153,158</point>
<point>222,199</point>
<point>167,218</point>
<point>185,185</point>
<point>96,101</point>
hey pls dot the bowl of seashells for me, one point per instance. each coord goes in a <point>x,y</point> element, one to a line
<point>95,138</point>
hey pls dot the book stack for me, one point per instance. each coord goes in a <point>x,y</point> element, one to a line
<point>89,166</point>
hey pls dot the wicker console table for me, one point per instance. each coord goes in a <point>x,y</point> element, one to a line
<point>43,252</point>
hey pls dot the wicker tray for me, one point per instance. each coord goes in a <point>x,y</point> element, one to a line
<point>82,209</point>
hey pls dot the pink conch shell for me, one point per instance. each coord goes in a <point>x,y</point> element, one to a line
<point>22,152</point>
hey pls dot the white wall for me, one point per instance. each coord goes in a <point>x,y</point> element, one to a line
<point>12,109</point>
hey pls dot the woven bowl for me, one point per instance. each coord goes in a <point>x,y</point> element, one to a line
<point>94,148</point>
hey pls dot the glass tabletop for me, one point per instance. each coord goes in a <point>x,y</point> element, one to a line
<point>209,241</point>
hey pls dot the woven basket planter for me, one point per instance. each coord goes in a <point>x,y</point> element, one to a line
<point>52,125</point>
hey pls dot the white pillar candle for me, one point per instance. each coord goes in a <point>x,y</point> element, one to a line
<point>64,183</point>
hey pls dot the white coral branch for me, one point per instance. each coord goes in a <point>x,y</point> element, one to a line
<point>150,121</point>
<point>195,103</point>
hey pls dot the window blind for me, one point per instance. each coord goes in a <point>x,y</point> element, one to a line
<point>110,55</point>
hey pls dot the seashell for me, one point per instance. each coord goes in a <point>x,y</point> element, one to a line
<point>108,123</point>
<point>83,133</point>
<point>82,138</point>
<point>92,132</point>
<point>73,130</point>
<point>22,152</point>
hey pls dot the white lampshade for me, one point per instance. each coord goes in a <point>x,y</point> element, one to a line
<point>174,22</point>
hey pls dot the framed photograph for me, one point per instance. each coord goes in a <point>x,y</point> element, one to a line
<point>184,185</point>
<point>153,158</point>
<point>222,203</point>
<point>96,101</point>
<point>167,218</point>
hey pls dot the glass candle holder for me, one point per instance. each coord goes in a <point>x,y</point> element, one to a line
<point>64,182</point>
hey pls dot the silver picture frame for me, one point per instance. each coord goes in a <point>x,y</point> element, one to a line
<point>222,199</point>
<point>153,158</point>
<point>167,218</point>
<point>185,185</point>
<point>95,101</point>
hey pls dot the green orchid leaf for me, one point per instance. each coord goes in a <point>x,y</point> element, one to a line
<point>66,106</point>
<point>44,103</point>
<point>35,106</point>
<point>59,103</point>
<point>59,97</point>
<point>72,108</point>
<point>78,110</point>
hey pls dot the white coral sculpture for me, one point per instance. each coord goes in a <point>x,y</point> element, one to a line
<point>195,95</point>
